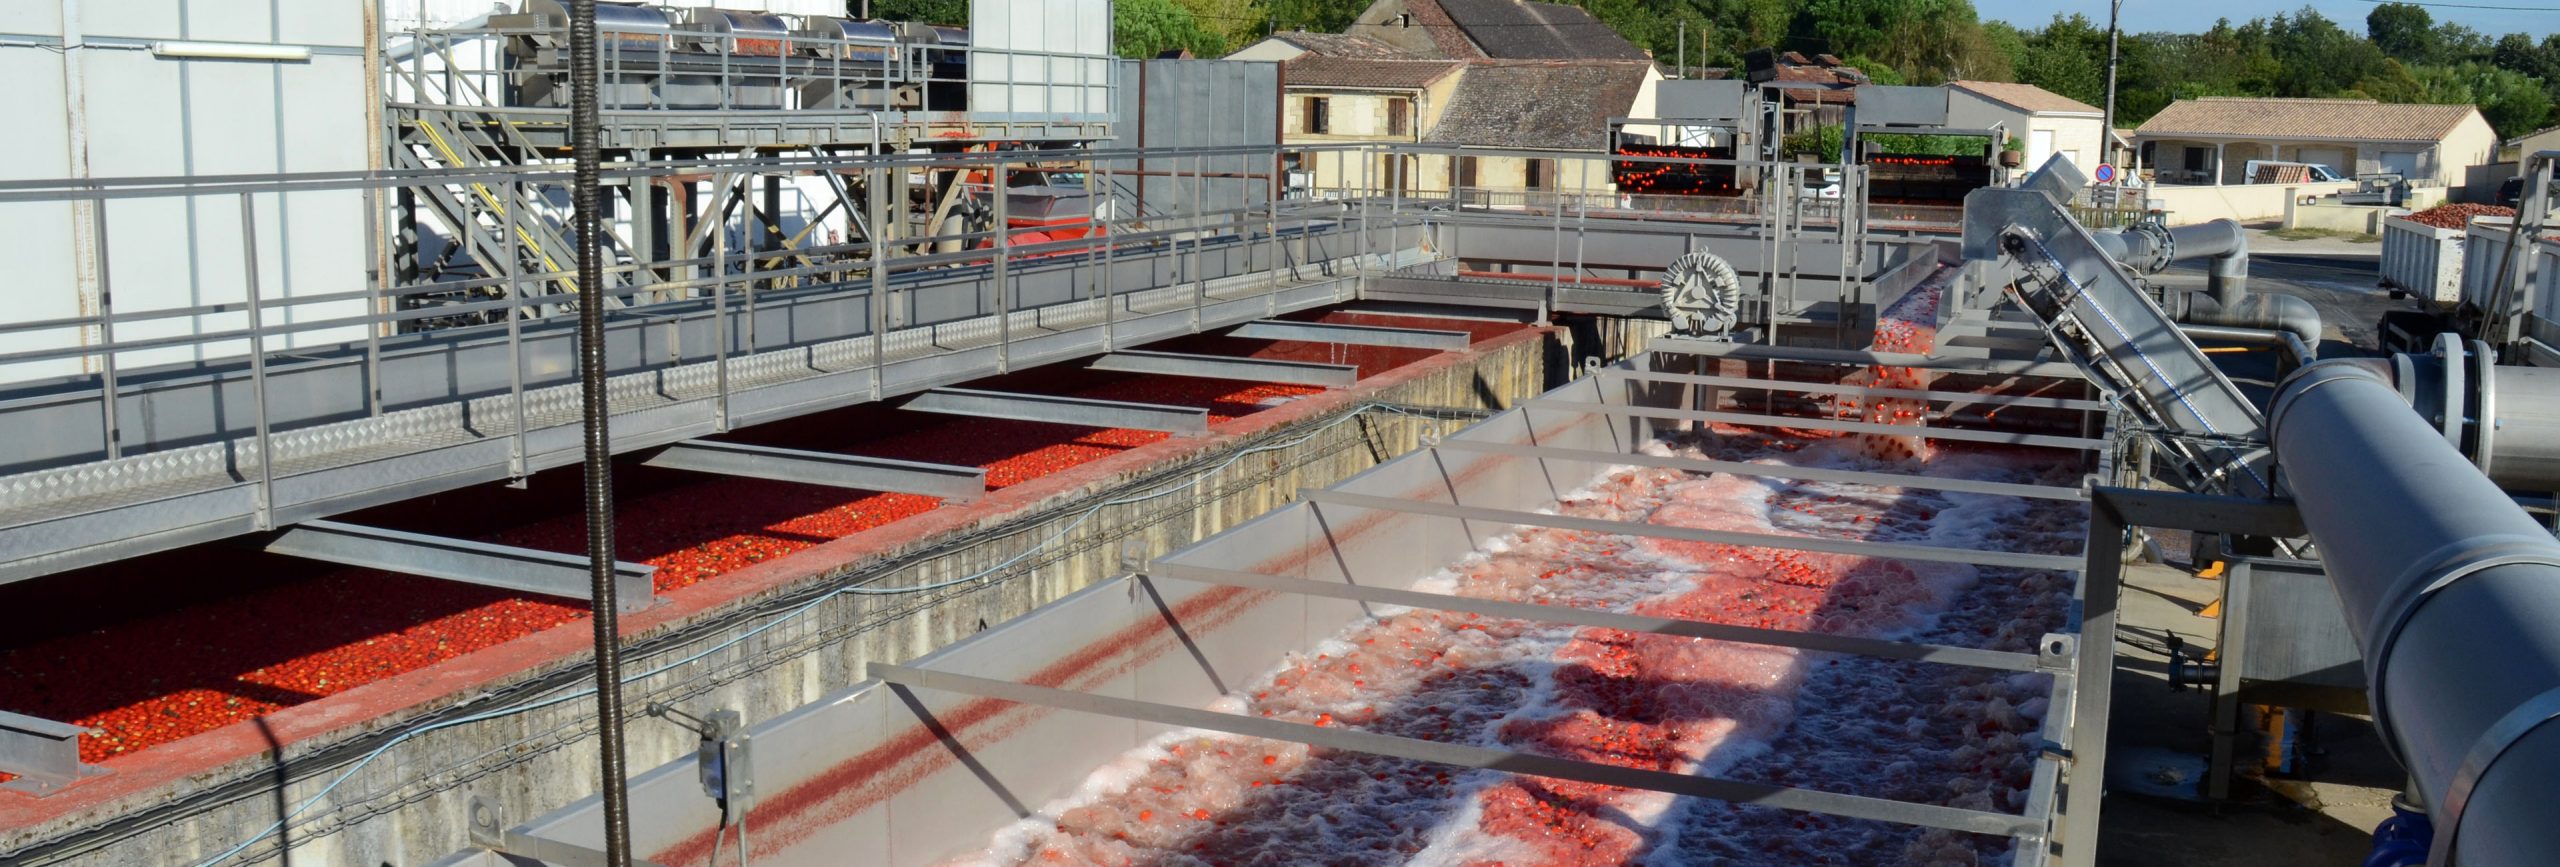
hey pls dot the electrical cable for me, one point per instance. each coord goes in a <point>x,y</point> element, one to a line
<point>794,612</point>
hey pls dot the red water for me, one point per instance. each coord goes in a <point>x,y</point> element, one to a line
<point>1908,325</point>
<point>1921,733</point>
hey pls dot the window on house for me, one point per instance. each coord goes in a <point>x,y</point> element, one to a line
<point>1541,174</point>
<point>1313,116</point>
<point>2197,157</point>
<point>1466,171</point>
<point>1399,116</point>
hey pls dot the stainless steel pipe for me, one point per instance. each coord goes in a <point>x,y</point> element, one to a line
<point>2453,593</point>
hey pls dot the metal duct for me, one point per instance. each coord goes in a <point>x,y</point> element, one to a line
<point>2506,419</point>
<point>2263,310</point>
<point>2149,248</point>
<point>2453,593</point>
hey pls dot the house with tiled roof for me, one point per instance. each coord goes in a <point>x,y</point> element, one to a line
<point>2045,123</point>
<point>1554,105</point>
<point>1493,30</point>
<point>1487,74</point>
<point>2211,140</point>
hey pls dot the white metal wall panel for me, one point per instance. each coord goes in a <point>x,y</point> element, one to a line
<point>1050,58</point>
<point>148,115</point>
<point>39,234</point>
<point>31,16</point>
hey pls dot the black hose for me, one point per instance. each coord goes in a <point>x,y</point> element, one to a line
<point>587,232</point>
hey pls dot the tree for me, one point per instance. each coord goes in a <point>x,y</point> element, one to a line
<point>1235,23</point>
<point>2402,30</point>
<point>954,13</point>
<point>1146,28</point>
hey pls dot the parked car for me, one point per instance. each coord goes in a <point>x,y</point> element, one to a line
<point>2513,190</point>
<point>2314,172</point>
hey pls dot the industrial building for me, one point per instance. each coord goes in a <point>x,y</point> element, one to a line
<point>1018,454</point>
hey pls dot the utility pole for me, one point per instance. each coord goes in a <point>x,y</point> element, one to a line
<point>1684,48</point>
<point>586,227</point>
<point>2107,135</point>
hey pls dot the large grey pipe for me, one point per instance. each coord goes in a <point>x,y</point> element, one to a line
<point>2226,299</point>
<point>2261,310</point>
<point>2150,248</point>
<point>2227,277</point>
<point>2454,594</point>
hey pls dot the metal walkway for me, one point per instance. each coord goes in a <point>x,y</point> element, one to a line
<point>90,513</point>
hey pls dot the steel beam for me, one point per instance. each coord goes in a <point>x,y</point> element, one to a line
<point>44,755</point>
<point>1810,355</point>
<point>1465,755</point>
<point>2209,513</point>
<point>1794,385</point>
<point>1938,653</point>
<point>952,483</point>
<point>503,566</point>
<point>1179,420</point>
<point>1353,335</point>
<point>1454,311</point>
<point>1185,364</point>
<point>1850,547</point>
<point>1765,471</point>
<point>1756,420</point>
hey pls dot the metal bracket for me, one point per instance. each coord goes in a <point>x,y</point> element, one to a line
<point>2057,652</point>
<point>43,754</point>
<point>488,830</point>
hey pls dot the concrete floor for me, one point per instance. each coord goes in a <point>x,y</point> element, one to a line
<point>2324,813</point>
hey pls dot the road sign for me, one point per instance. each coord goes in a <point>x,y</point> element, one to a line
<point>2106,173</point>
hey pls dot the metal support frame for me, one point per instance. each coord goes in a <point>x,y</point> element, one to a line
<point>1462,755</point>
<point>1944,654</point>
<point>955,484</point>
<point>1227,367</point>
<point>1353,335</point>
<point>503,566</point>
<point>1052,409</point>
<point>1764,471</point>
<point>1854,548</point>
<point>43,754</point>
<point>1797,385</point>
<point>2113,512</point>
<point>1806,355</point>
<point>1756,420</point>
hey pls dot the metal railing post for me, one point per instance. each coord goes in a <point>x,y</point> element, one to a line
<point>720,309</point>
<point>1003,265</point>
<point>378,303</point>
<point>752,232</point>
<point>257,362</point>
<point>515,334</point>
<point>1110,301</point>
<point>1199,239</point>
<point>881,213</point>
<point>107,390</point>
<point>1271,227</point>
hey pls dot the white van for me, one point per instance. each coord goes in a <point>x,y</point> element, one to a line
<point>2317,172</point>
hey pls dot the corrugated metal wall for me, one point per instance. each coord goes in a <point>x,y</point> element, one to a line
<point>1196,104</point>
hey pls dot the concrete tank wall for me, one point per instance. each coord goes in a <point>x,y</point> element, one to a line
<point>407,807</point>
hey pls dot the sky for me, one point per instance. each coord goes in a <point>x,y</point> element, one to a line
<point>2189,16</point>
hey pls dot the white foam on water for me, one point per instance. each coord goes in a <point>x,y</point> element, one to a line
<point>1190,798</point>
